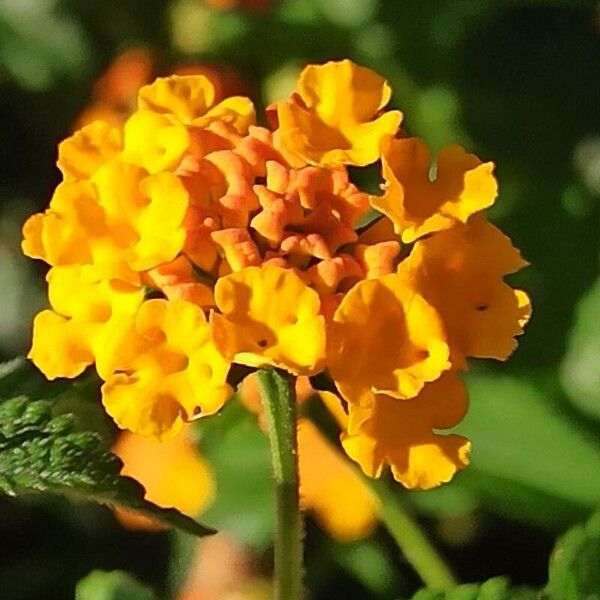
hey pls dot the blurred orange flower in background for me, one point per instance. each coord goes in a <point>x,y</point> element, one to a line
<point>173,473</point>
<point>247,4</point>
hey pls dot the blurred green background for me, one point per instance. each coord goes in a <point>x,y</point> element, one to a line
<point>517,82</point>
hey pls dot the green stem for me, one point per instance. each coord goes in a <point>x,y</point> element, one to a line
<point>279,400</point>
<point>411,540</point>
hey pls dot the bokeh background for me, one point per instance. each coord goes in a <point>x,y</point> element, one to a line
<point>513,81</point>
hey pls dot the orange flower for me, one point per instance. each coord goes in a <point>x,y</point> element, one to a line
<point>334,116</point>
<point>399,433</point>
<point>165,371</point>
<point>177,281</point>
<point>385,338</point>
<point>114,95</point>
<point>269,317</point>
<point>330,489</point>
<point>460,273</point>
<point>417,205</point>
<point>173,474</point>
<point>252,245</point>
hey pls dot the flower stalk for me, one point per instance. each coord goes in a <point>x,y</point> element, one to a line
<point>279,400</point>
<point>411,540</point>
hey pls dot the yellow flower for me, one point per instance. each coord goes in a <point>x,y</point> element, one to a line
<point>89,314</point>
<point>145,213</point>
<point>460,272</point>
<point>385,338</point>
<point>173,473</point>
<point>122,219</point>
<point>400,433</point>
<point>165,371</point>
<point>334,117</point>
<point>331,490</point>
<point>80,155</point>
<point>417,205</point>
<point>269,317</point>
<point>171,113</point>
<point>60,235</point>
<point>190,99</point>
<point>154,142</point>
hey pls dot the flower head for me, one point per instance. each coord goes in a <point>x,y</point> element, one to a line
<point>188,239</point>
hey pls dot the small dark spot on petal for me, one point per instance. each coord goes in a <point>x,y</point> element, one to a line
<point>482,307</point>
<point>262,343</point>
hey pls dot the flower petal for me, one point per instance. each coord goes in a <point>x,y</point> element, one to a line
<point>418,206</point>
<point>269,317</point>
<point>333,119</point>
<point>460,272</point>
<point>190,99</point>
<point>166,372</point>
<point>154,142</point>
<point>386,338</point>
<point>84,325</point>
<point>173,474</point>
<point>59,347</point>
<point>80,155</point>
<point>184,97</point>
<point>399,433</point>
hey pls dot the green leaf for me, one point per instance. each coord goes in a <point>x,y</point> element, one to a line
<point>40,452</point>
<point>497,588</point>
<point>112,585</point>
<point>574,572</point>
<point>369,563</point>
<point>580,370</point>
<point>38,45</point>
<point>182,552</point>
<point>519,436</point>
<point>19,377</point>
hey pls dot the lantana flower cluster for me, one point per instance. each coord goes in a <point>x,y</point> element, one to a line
<point>191,239</point>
